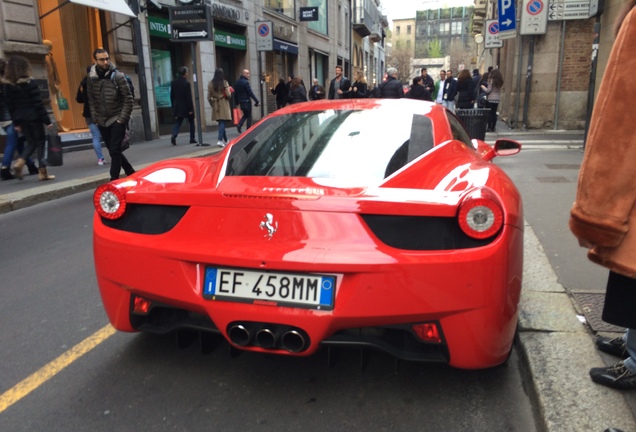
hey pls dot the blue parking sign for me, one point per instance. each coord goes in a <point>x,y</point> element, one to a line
<point>507,18</point>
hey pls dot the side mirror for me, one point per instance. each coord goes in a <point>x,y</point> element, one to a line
<point>507,147</point>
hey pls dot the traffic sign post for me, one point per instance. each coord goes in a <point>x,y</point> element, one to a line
<point>492,35</point>
<point>264,36</point>
<point>507,19</point>
<point>534,18</point>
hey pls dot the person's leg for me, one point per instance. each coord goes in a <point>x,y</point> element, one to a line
<point>630,344</point>
<point>248,114</point>
<point>11,144</point>
<point>97,139</point>
<point>175,129</point>
<point>191,121</point>
<point>243,118</point>
<point>222,131</point>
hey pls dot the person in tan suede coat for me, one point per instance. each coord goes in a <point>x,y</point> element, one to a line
<point>603,216</point>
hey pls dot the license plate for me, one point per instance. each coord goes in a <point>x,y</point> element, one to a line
<point>313,291</point>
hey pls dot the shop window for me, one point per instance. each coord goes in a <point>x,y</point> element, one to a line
<point>285,7</point>
<point>319,26</point>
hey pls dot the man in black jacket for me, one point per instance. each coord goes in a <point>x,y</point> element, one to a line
<point>111,104</point>
<point>450,91</point>
<point>242,95</point>
<point>391,88</point>
<point>427,81</point>
<point>182,106</point>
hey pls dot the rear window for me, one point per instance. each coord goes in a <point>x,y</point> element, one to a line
<point>361,146</point>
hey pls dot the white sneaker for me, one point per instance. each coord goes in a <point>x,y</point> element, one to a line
<point>101,162</point>
<point>220,143</point>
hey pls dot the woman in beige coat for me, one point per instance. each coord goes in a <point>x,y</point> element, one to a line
<point>219,94</point>
<point>603,217</point>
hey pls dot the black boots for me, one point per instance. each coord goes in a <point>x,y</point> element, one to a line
<point>5,173</point>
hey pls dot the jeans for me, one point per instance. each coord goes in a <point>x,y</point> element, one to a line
<point>222,134</point>
<point>450,105</point>
<point>14,142</point>
<point>97,138</point>
<point>35,136</point>
<point>630,338</point>
<point>113,136</point>
<point>177,126</point>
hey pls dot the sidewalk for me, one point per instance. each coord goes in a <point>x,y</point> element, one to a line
<point>556,349</point>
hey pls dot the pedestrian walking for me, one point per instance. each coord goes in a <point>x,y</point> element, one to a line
<point>476,80</point>
<point>297,92</point>
<point>493,92</point>
<point>465,90</point>
<point>14,142</point>
<point>219,94</point>
<point>82,97</point>
<point>242,96</point>
<point>111,104</point>
<point>28,114</point>
<point>182,106</point>
<point>339,86</point>
<point>317,92</point>
<point>359,87</point>
<point>280,91</point>
<point>603,216</point>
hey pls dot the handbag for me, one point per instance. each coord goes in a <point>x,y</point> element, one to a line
<point>62,102</point>
<point>125,142</point>
<point>53,150</point>
<point>236,115</point>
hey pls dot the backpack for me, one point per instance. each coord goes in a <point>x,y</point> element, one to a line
<point>128,80</point>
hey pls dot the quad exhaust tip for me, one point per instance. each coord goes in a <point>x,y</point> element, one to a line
<point>293,341</point>
<point>268,336</point>
<point>239,335</point>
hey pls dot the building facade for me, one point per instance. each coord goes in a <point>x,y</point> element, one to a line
<point>139,40</point>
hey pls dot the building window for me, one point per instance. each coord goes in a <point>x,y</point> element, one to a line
<point>408,30</point>
<point>444,28</point>
<point>285,7</point>
<point>319,26</point>
<point>456,27</point>
<point>397,30</point>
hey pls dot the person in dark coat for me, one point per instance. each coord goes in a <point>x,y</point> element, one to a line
<point>391,88</point>
<point>465,90</point>
<point>182,106</point>
<point>280,91</point>
<point>297,92</point>
<point>28,114</point>
<point>450,90</point>
<point>427,81</point>
<point>317,91</point>
<point>82,97</point>
<point>476,80</point>
<point>418,91</point>
<point>339,86</point>
<point>242,96</point>
<point>359,87</point>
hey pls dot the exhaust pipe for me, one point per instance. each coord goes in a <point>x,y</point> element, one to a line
<point>239,335</point>
<point>266,338</point>
<point>293,341</point>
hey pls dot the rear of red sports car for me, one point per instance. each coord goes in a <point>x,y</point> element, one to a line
<point>373,223</point>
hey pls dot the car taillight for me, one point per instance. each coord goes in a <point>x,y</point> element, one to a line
<point>141,306</point>
<point>480,217</point>
<point>109,201</point>
<point>428,332</point>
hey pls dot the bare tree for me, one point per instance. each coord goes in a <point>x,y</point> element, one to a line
<point>459,55</point>
<point>400,58</point>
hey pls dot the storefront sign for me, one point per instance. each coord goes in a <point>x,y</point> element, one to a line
<point>159,27</point>
<point>280,45</point>
<point>191,23</point>
<point>309,13</point>
<point>230,40</point>
<point>226,13</point>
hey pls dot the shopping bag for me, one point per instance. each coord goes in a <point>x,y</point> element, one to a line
<point>236,115</point>
<point>53,150</point>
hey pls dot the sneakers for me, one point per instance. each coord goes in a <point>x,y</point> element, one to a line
<point>220,143</point>
<point>194,142</point>
<point>615,347</point>
<point>617,376</point>
<point>101,161</point>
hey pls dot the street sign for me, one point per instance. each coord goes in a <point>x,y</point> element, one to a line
<point>264,36</point>
<point>568,9</point>
<point>534,18</point>
<point>492,35</point>
<point>191,23</point>
<point>507,18</point>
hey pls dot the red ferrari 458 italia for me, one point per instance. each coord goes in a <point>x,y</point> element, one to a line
<point>363,223</point>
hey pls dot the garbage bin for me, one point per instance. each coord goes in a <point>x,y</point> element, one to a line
<point>475,121</point>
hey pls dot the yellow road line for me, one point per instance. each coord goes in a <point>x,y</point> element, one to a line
<point>47,372</point>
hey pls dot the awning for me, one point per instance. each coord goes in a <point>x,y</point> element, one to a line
<point>281,45</point>
<point>117,6</point>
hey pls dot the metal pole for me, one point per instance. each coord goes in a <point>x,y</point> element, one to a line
<point>590,90</point>
<point>519,65</point>
<point>559,73</point>
<point>193,51</point>
<point>141,72</point>
<point>261,80</point>
<point>526,98</point>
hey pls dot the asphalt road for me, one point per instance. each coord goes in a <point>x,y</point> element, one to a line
<point>131,382</point>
